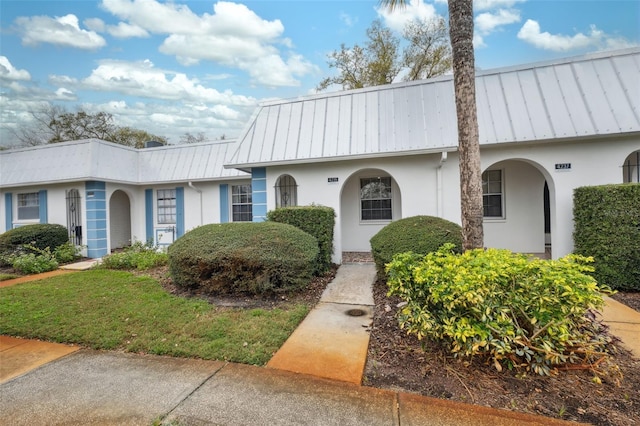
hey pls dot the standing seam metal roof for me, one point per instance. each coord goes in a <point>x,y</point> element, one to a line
<point>94,159</point>
<point>596,94</point>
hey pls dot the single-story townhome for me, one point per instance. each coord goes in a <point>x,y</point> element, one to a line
<point>109,195</point>
<point>374,155</point>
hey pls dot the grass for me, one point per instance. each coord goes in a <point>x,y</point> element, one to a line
<point>5,277</point>
<point>116,310</point>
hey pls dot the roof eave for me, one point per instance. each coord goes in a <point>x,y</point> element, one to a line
<point>249,166</point>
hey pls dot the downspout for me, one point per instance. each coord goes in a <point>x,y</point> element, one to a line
<point>199,191</point>
<point>439,186</point>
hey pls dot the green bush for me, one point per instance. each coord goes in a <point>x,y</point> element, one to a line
<point>36,261</point>
<point>518,311</point>
<point>138,256</point>
<point>417,234</point>
<point>66,253</point>
<point>38,235</point>
<point>318,221</point>
<point>607,227</point>
<point>243,258</point>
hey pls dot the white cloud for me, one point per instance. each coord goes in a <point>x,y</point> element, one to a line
<point>61,31</point>
<point>124,30</point>
<point>95,24</point>
<point>478,41</point>
<point>415,10</point>
<point>347,19</point>
<point>173,120</point>
<point>532,34</point>
<point>64,94</point>
<point>233,36</point>
<point>9,72</point>
<point>487,22</point>
<point>144,80</point>
<point>479,5</point>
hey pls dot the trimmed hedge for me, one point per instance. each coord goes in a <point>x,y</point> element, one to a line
<point>318,221</point>
<point>233,258</point>
<point>417,234</point>
<point>38,235</point>
<point>607,227</point>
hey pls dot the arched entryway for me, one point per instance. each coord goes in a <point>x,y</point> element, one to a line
<point>519,205</point>
<point>119,220</point>
<point>369,200</point>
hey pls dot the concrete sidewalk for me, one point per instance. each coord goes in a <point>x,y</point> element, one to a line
<point>109,388</point>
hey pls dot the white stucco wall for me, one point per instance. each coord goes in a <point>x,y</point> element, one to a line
<point>414,192</point>
<point>428,187</point>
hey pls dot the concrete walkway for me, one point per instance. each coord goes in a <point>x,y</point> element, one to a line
<point>624,323</point>
<point>333,340</point>
<point>46,383</point>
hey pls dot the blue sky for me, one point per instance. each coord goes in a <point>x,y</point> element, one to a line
<point>203,66</point>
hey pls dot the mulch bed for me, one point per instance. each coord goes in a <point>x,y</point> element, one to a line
<point>631,299</point>
<point>400,362</point>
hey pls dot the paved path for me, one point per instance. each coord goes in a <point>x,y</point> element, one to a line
<point>333,340</point>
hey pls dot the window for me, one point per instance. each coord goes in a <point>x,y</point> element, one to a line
<point>28,206</point>
<point>166,206</point>
<point>375,198</point>
<point>241,207</point>
<point>492,193</point>
<point>631,168</point>
<point>286,191</point>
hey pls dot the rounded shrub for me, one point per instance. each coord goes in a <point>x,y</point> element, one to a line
<point>417,234</point>
<point>511,309</point>
<point>37,235</point>
<point>243,258</point>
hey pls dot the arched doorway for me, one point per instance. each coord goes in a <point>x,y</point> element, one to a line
<point>519,205</point>
<point>370,199</point>
<point>119,220</point>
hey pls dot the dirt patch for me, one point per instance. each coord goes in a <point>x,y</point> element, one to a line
<point>400,362</point>
<point>631,299</point>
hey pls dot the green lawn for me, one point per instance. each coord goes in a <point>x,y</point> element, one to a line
<point>105,309</point>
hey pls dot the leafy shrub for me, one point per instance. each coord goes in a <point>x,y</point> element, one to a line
<point>34,262</point>
<point>318,221</point>
<point>517,311</point>
<point>38,235</point>
<point>243,258</point>
<point>607,227</point>
<point>138,256</point>
<point>417,234</point>
<point>66,253</point>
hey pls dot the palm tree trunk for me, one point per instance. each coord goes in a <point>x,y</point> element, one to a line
<point>461,34</point>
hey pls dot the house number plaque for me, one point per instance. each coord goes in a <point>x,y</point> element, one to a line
<point>332,180</point>
<point>563,167</point>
